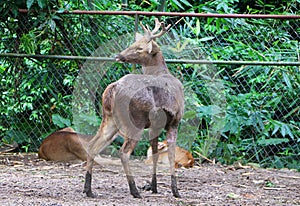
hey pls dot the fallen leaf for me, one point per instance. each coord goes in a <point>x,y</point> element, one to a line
<point>233,196</point>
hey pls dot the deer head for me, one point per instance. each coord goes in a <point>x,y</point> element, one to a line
<point>144,48</point>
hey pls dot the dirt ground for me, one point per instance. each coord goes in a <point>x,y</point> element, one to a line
<point>26,180</point>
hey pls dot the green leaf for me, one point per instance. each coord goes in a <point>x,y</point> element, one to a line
<point>18,136</point>
<point>52,25</point>
<point>277,126</point>
<point>187,3</point>
<point>210,110</point>
<point>231,126</point>
<point>286,116</point>
<point>61,10</point>
<point>285,129</point>
<point>177,3</point>
<point>28,43</point>
<point>206,38</point>
<point>197,27</point>
<point>273,141</point>
<point>29,3</point>
<point>218,23</point>
<point>91,119</point>
<point>287,80</point>
<point>233,196</point>
<point>257,121</point>
<point>15,11</point>
<point>60,121</point>
<point>189,114</point>
<point>2,69</point>
<point>42,3</point>
<point>55,17</point>
<point>209,20</point>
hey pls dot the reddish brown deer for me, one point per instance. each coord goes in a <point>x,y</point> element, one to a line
<point>151,100</point>
<point>183,158</point>
<point>65,145</point>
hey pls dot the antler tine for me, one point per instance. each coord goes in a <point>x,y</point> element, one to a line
<point>151,34</point>
<point>146,31</point>
<point>144,28</point>
<point>162,32</point>
<point>157,26</point>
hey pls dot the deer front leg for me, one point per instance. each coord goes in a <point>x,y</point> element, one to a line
<point>155,155</point>
<point>125,152</point>
<point>104,137</point>
<point>171,138</point>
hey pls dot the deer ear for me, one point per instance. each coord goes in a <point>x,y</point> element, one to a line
<point>138,36</point>
<point>149,47</point>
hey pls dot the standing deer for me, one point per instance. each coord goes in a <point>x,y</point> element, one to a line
<point>151,100</point>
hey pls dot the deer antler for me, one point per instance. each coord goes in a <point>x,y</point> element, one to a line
<point>150,35</point>
<point>157,26</point>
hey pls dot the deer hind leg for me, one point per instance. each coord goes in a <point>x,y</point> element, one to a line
<point>103,138</point>
<point>171,138</point>
<point>125,152</point>
<point>158,119</point>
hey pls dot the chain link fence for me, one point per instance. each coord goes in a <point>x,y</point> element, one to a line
<point>241,79</point>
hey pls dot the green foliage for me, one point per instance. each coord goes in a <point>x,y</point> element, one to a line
<point>36,95</point>
<point>233,113</point>
<point>60,121</point>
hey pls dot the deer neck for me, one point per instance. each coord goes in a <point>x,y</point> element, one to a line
<point>155,66</point>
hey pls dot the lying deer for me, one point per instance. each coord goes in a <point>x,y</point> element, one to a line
<point>183,158</point>
<point>151,100</point>
<point>64,145</point>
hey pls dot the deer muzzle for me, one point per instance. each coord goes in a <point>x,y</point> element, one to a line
<point>120,58</point>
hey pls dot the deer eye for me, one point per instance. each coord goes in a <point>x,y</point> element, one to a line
<point>139,49</point>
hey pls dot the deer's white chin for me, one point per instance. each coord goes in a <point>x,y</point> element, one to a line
<point>119,58</point>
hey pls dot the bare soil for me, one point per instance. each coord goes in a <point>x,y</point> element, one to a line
<point>26,180</point>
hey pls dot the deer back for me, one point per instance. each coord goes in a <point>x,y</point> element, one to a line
<point>137,96</point>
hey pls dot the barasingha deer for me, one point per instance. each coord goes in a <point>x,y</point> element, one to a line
<point>152,100</point>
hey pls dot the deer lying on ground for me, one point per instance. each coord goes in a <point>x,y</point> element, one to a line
<point>151,100</point>
<point>183,158</point>
<point>65,145</point>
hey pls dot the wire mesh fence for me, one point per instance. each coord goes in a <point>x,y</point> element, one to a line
<point>241,79</point>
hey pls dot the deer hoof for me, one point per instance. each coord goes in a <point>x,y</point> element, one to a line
<point>154,190</point>
<point>133,190</point>
<point>136,195</point>
<point>90,194</point>
<point>176,194</point>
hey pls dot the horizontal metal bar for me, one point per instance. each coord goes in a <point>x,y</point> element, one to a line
<point>66,57</point>
<point>171,61</point>
<point>181,14</point>
<point>269,63</point>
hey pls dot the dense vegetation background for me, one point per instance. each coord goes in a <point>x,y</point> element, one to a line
<point>254,117</point>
